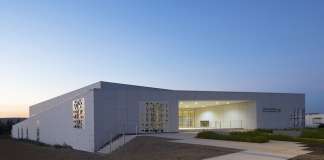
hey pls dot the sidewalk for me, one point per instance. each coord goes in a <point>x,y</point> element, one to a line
<point>274,150</point>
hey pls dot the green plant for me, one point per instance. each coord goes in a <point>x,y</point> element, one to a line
<point>64,146</point>
<point>262,136</point>
<point>321,125</point>
<point>265,130</point>
<point>256,137</point>
<point>280,137</point>
<point>316,133</point>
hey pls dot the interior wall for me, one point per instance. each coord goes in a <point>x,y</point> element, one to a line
<point>239,115</point>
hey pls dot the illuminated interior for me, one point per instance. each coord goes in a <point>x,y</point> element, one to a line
<point>217,114</point>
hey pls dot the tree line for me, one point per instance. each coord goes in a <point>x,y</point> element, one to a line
<point>6,126</point>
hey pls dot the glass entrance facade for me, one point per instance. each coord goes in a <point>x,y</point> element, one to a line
<point>186,118</point>
<point>216,114</point>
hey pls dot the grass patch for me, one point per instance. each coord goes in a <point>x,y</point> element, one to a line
<point>308,136</point>
<point>314,133</point>
<point>251,136</point>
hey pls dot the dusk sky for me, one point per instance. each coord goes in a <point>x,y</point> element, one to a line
<point>48,48</point>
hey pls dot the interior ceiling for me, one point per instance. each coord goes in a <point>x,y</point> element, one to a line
<point>209,103</point>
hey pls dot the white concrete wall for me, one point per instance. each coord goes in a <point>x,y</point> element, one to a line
<point>288,103</point>
<point>113,108</point>
<point>117,110</point>
<point>55,125</point>
<point>43,106</point>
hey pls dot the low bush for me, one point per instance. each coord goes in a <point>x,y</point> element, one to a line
<point>280,137</point>
<point>321,125</point>
<point>265,130</point>
<point>64,146</point>
<point>252,136</point>
<point>260,136</point>
<point>310,141</point>
<point>6,126</point>
<point>315,133</point>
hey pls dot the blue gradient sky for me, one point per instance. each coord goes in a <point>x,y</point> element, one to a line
<point>50,47</point>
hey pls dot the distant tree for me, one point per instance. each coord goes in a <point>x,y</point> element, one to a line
<point>9,125</point>
<point>1,128</point>
<point>321,125</point>
<point>6,126</point>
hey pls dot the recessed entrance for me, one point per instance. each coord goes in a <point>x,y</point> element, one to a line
<point>217,114</point>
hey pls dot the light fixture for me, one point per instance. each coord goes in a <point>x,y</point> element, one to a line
<point>227,102</point>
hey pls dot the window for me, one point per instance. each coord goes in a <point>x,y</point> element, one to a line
<point>204,123</point>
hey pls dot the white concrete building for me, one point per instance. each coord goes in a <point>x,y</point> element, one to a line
<point>87,118</point>
<point>313,120</point>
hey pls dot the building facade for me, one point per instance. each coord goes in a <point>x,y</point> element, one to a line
<point>87,118</point>
<point>313,120</point>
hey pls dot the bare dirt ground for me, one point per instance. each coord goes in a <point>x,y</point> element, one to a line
<point>18,150</point>
<point>153,148</point>
<point>316,154</point>
<point>141,148</point>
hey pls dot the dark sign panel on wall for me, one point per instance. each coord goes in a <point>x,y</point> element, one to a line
<point>268,109</point>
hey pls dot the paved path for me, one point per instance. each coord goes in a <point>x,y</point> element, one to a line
<point>246,155</point>
<point>274,150</point>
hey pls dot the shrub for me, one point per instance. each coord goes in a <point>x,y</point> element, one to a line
<point>256,137</point>
<point>321,125</point>
<point>5,127</point>
<point>261,136</point>
<point>310,141</point>
<point>280,137</point>
<point>316,133</point>
<point>64,146</point>
<point>265,130</point>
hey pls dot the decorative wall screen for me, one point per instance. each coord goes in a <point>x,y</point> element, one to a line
<point>154,116</point>
<point>78,113</point>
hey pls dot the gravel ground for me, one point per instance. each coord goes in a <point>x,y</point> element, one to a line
<point>141,148</point>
